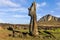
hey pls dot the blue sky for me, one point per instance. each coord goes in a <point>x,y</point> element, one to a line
<point>16,11</point>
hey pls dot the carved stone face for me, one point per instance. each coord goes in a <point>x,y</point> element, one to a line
<point>31,11</point>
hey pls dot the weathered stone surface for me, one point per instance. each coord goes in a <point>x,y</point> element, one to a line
<point>33,22</point>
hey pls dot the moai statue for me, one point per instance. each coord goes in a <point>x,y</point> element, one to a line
<point>33,22</point>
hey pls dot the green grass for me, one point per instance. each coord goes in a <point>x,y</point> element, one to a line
<point>4,35</point>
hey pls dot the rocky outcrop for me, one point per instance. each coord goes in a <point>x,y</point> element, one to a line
<point>48,18</point>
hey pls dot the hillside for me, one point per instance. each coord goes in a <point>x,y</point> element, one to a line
<point>49,20</point>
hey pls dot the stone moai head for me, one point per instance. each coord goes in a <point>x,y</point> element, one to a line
<point>32,9</point>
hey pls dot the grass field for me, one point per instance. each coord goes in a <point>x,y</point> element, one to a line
<point>4,35</point>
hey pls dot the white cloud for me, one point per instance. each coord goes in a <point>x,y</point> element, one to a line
<point>12,6</point>
<point>57,16</point>
<point>38,5</point>
<point>20,16</point>
<point>1,21</point>
<point>8,3</point>
<point>38,16</point>
<point>23,1</point>
<point>52,11</point>
<point>41,5</point>
<point>58,6</point>
<point>2,13</point>
<point>58,3</point>
<point>21,9</point>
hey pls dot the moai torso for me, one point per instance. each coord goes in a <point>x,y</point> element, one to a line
<point>33,21</point>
